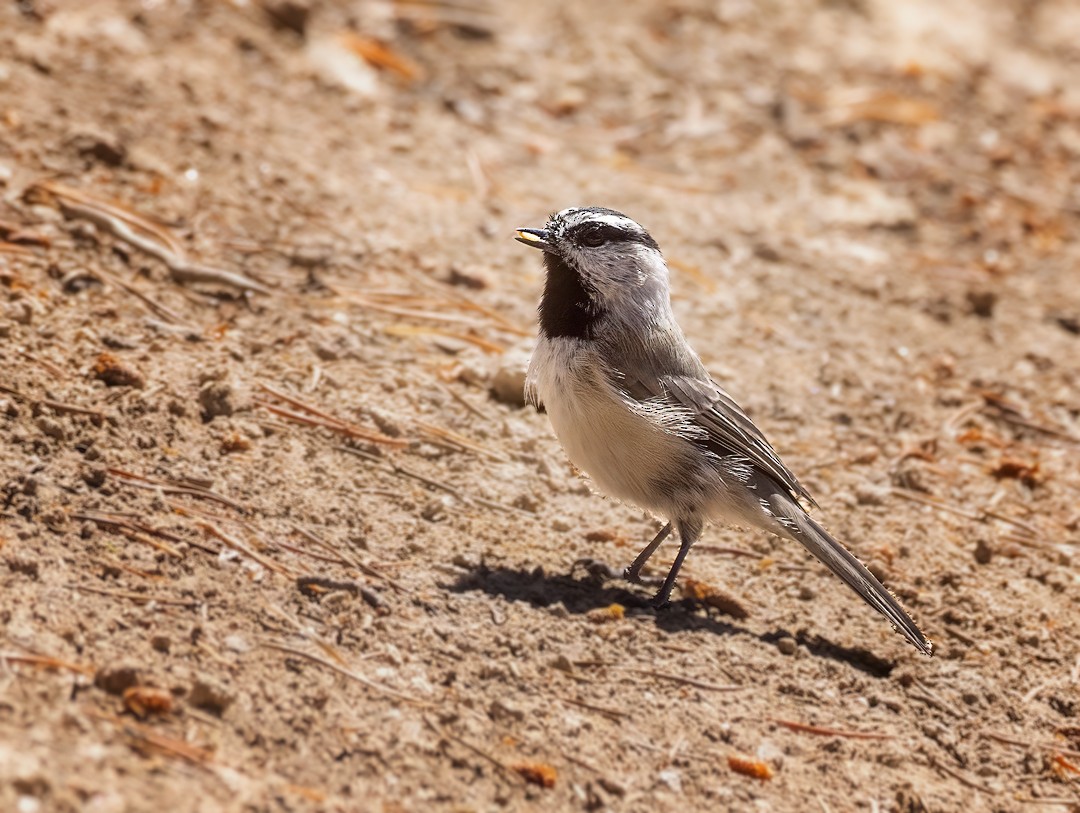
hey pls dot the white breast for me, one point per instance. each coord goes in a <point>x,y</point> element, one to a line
<point>624,453</point>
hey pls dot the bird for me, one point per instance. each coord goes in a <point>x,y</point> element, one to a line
<point>635,409</point>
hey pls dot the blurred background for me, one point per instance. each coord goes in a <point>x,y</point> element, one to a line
<point>262,321</point>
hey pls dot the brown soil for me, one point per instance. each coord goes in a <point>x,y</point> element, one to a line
<point>870,209</point>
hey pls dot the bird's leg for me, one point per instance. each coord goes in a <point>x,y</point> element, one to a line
<point>688,535</point>
<point>633,573</point>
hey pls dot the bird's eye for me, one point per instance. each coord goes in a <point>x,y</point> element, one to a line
<point>593,238</point>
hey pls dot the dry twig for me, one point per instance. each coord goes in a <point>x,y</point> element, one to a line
<point>46,662</point>
<point>342,670</point>
<point>823,731</point>
<point>161,244</point>
<point>139,598</point>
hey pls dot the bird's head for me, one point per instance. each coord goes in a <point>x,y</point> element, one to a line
<point>599,263</point>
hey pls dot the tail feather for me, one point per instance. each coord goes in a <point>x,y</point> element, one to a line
<point>803,529</point>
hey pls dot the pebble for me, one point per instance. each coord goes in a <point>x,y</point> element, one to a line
<point>508,382</point>
<point>51,428</point>
<point>879,569</point>
<point>503,710</point>
<point>237,643</point>
<point>211,696</point>
<point>219,399</point>
<point>117,373</point>
<point>787,645</point>
<point>116,679</point>
<point>672,778</point>
<point>867,494</point>
<point>94,476</point>
<point>983,552</point>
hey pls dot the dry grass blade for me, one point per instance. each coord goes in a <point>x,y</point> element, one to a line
<point>401,471</point>
<point>240,547</point>
<point>410,313</point>
<point>317,417</point>
<point>412,330</point>
<point>449,297</point>
<point>147,236</point>
<point>154,484</point>
<point>131,531</point>
<point>56,406</point>
<point>46,662</point>
<point>13,248</point>
<point>349,561</point>
<point>1042,746</point>
<point>380,55</point>
<point>139,598</point>
<point>145,737</point>
<point>165,313</point>
<point>680,679</point>
<point>505,769</point>
<point>116,210</point>
<point>825,731</point>
<point>980,515</point>
<point>459,440</point>
<point>341,670</point>
<point>613,714</point>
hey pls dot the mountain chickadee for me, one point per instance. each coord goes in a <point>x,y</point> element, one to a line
<point>635,409</point>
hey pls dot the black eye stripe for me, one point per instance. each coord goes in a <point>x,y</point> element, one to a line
<point>594,234</point>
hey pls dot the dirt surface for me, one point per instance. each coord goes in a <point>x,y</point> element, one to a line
<point>269,542</point>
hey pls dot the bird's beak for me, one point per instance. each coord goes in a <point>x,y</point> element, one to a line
<point>537,238</point>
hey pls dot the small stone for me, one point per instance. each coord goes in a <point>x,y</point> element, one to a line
<point>563,664</point>
<point>94,476</point>
<point>237,643</point>
<point>21,313</point>
<point>210,696</point>
<point>508,381</point>
<point>504,710</point>
<point>97,145</point>
<point>561,524</point>
<point>867,494</point>
<point>787,645</point>
<point>466,561</point>
<point>117,373</point>
<point>161,643</point>
<point>52,428</point>
<point>117,679</point>
<point>436,508</point>
<point>983,552</point>
<point>879,569</point>
<point>672,778</point>
<point>472,278</point>
<point>807,593</point>
<point>982,303</point>
<point>218,399</point>
<point>769,751</point>
<point>290,15</point>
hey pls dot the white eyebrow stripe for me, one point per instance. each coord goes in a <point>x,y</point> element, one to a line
<point>576,217</point>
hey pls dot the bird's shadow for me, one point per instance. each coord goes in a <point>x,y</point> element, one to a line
<point>580,595</point>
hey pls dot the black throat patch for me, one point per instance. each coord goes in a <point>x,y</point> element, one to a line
<point>566,308</point>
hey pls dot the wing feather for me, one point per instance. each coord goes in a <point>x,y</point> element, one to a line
<point>666,374</point>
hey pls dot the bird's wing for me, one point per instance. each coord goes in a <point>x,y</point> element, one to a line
<point>666,376</point>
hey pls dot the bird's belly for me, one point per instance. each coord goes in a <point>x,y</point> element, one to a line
<point>627,456</point>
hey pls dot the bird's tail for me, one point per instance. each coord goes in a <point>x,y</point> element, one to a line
<point>802,528</point>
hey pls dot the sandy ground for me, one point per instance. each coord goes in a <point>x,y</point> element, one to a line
<point>269,542</point>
